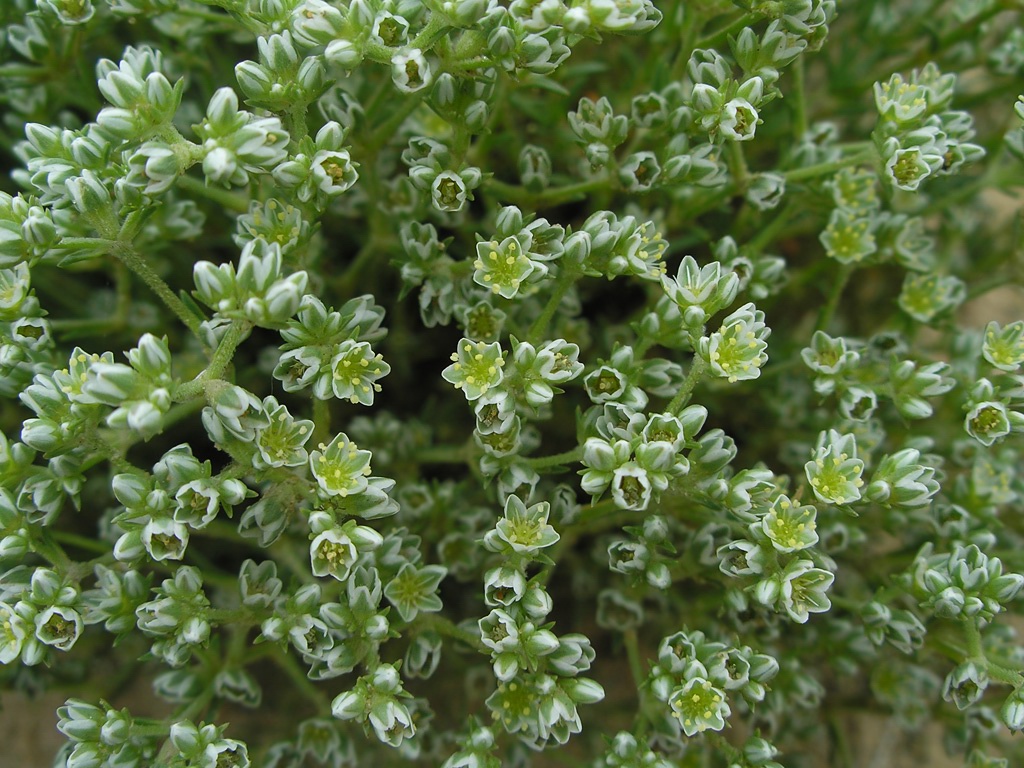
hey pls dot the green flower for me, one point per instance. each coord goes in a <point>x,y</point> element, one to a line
<point>340,468</point>
<point>738,120</point>
<point>828,355</point>
<point>855,190</point>
<point>848,238</point>
<point>522,531</point>
<point>925,296</point>
<point>965,685</point>
<point>476,368</point>
<point>900,101</point>
<point>503,267</point>
<point>737,351</point>
<point>280,443</point>
<point>355,370</point>
<point>988,422</point>
<point>632,486</point>
<point>790,527</point>
<point>482,322</point>
<point>334,551</point>
<point>834,472</point>
<point>902,481</point>
<point>377,700</point>
<point>1004,347</point>
<point>989,418</point>
<point>912,384</point>
<point>539,371</point>
<point>59,626</point>
<point>803,589</point>
<point>14,631</point>
<point>907,168</point>
<point>602,458</point>
<point>700,292</point>
<point>699,707</point>
<point>415,589</point>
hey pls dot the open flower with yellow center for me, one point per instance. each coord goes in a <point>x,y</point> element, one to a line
<point>1004,347</point>
<point>340,468</point>
<point>699,707</point>
<point>476,368</point>
<point>333,172</point>
<point>280,443</point>
<point>737,351</point>
<point>13,632</point>
<point>790,527</point>
<point>803,590</point>
<point>355,370</point>
<point>523,530</point>
<point>848,238</point>
<point>503,266</point>
<point>835,472</point>
<point>334,550</point>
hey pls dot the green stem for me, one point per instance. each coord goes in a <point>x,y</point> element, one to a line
<point>229,200</point>
<point>214,18</point>
<point>87,325</point>
<point>1004,674</point>
<point>92,441</point>
<point>445,626</point>
<point>719,36</point>
<point>563,283</point>
<point>236,333</point>
<point>28,71</point>
<point>603,516</point>
<point>975,651</point>
<point>972,638</point>
<point>321,422</point>
<point>550,196</point>
<point>697,369</point>
<point>693,22</point>
<point>134,261</point>
<point>841,743</point>
<point>984,286</point>
<point>436,28</point>
<point>636,668</point>
<point>738,167</point>
<point>632,643</point>
<point>350,278</point>
<point>192,711</point>
<point>99,243</point>
<point>82,542</point>
<point>45,545</point>
<point>470,64</point>
<point>825,169</point>
<point>768,233</point>
<point>734,755</point>
<point>234,9</point>
<point>290,667</point>
<point>799,99</point>
<point>557,459</point>
<point>828,311</point>
<point>471,43</point>
<point>443,454</point>
<point>295,123</point>
<point>382,133</point>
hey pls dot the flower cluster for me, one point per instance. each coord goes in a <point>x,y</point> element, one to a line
<point>694,676</point>
<point>539,243</point>
<point>329,350</point>
<point>540,682</point>
<point>637,457</point>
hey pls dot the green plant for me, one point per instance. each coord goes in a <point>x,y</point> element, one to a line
<point>317,316</point>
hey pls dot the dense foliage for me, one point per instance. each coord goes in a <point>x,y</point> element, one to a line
<point>475,383</point>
